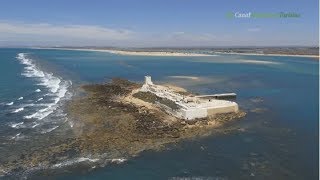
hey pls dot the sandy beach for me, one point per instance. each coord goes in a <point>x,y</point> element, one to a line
<point>181,54</point>
<point>137,53</point>
<point>155,53</point>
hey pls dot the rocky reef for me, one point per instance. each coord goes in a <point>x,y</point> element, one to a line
<point>112,121</point>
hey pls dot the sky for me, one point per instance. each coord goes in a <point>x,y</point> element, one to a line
<point>158,23</point>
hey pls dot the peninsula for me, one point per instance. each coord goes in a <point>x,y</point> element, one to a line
<point>311,52</point>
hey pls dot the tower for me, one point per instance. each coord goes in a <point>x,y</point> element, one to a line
<point>147,80</point>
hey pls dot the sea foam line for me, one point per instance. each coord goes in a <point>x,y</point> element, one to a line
<point>86,159</point>
<point>57,87</point>
<point>74,161</point>
<point>18,110</point>
<point>118,160</point>
<point>9,104</point>
<point>17,125</point>
<point>49,130</point>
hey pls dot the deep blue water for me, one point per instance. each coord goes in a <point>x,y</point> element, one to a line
<point>280,142</point>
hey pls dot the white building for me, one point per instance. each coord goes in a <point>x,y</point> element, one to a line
<point>190,107</point>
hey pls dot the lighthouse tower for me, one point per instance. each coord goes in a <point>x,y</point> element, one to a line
<point>147,80</point>
<point>147,83</point>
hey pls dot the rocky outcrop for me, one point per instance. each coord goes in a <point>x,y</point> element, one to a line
<point>106,127</point>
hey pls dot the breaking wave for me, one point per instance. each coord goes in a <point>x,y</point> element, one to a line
<point>74,161</point>
<point>58,88</point>
<point>87,160</point>
<point>16,137</point>
<point>17,125</point>
<point>18,110</point>
<point>35,125</point>
<point>118,161</point>
<point>9,104</point>
<point>49,130</point>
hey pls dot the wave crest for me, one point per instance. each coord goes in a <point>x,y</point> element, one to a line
<point>58,88</point>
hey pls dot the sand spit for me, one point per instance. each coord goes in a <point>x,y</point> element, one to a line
<point>156,53</point>
<point>112,122</point>
<point>170,53</point>
<point>138,53</point>
<point>185,77</point>
<point>257,54</point>
<point>256,62</point>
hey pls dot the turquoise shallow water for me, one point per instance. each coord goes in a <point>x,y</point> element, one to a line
<point>279,140</point>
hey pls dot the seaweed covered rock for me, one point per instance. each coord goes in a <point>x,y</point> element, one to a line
<point>107,126</point>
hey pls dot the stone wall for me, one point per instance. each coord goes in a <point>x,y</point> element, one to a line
<point>220,110</point>
<point>193,113</point>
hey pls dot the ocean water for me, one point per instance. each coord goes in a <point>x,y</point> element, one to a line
<point>278,139</point>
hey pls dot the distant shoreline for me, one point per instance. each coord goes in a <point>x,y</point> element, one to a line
<point>154,53</point>
<point>138,53</point>
<point>257,54</point>
<point>179,54</point>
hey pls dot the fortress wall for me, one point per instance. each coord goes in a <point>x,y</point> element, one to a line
<point>219,110</point>
<point>194,113</point>
<point>186,112</point>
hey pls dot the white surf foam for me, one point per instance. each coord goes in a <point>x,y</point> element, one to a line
<point>88,159</point>
<point>256,62</point>
<point>57,87</point>
<point>18,110</point>
<point>16,136</point>
<point>39,99</point>
<point>9,104</point>
<point>38,90</point>
<point>17,125</point>
<point>74,161</point>
<point>118,161</point>
<point>49,130</point>
<point>35,125</point>
<point>20,98</point>
<point>71,124</point>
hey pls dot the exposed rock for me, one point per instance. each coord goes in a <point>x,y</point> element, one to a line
<point>106,124</point>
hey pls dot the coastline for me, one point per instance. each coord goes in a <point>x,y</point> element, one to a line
<point>257,54</point>
<point>138,53</point>
<point>154,53</point>
<point>176,54</point>
<point>112,121</point>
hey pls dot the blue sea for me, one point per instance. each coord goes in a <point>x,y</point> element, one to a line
<point>277,139</point>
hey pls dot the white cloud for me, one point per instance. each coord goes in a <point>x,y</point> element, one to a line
<point>15,33</point>
<point>254,29</point>
<point>61,33</point>
<point>43,34</point>
<point>190,37</point>
<point>181,38</point>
